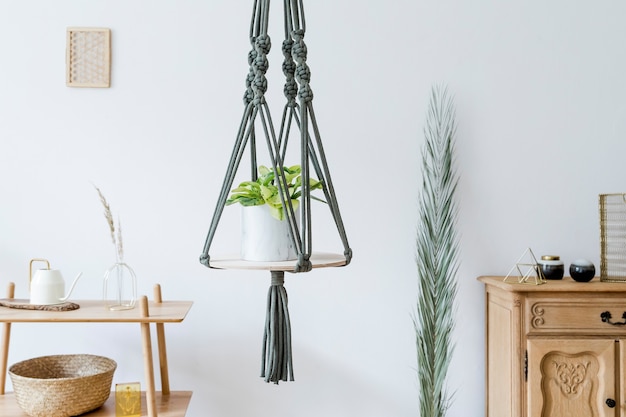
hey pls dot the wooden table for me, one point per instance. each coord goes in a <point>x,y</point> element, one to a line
<point>159,312</point>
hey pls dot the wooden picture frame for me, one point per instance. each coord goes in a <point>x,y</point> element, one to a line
<point>88,57</point>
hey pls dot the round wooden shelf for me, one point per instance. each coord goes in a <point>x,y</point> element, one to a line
<point>318,259</point>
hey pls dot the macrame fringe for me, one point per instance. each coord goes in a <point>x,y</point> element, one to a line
<point>276,363</point>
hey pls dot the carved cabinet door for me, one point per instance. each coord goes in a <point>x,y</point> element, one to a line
<point>572,378</point>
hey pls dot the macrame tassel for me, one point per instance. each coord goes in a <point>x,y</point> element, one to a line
<point>276,364</point>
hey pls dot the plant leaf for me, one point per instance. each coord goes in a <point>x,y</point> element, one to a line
<point>436,256</point>
<point>277,212</point>
<point>266,190</point>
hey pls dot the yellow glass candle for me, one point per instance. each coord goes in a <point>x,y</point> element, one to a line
<point>128,400</point>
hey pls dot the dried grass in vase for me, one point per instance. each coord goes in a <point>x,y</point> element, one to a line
<point>116,238</point>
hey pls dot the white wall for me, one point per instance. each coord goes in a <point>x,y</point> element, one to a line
<point>539,89</point>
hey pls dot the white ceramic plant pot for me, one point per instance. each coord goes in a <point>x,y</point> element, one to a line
<point>264,238</point>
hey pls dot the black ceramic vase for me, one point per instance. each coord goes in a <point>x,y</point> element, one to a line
<point>582,270</point>
<point>551,267</point>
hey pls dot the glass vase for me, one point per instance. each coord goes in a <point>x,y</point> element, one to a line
<point>120,287</point>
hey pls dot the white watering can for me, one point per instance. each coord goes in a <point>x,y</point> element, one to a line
<point>47,285</point>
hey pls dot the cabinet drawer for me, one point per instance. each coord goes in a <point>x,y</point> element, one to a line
<point>576,316</point>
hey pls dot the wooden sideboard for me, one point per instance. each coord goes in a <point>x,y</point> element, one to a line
<point>556,349</point>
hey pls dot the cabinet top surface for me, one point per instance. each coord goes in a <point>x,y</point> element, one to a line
<point>95,311</point>
<point>565,284</point>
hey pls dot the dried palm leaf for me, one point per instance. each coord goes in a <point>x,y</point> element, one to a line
<point>436,256</point>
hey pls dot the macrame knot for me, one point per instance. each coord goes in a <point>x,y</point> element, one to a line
<point>248,95</point>
<point>263,44</point>
<point>258,100</point>
<point>258,80</point>
<point>261,63</point>
<point>297,34</point>
<point>304,264</point>
<point>303,73</point>
<point>289,68</point>
<point>348,254</point>
<point>249,79</point>
<point>306,93</point>
<point>259,84</point>
<point>287,45</point>
<point>291,87</point>
<point>291,91</point>
<point>299,51</point>
<point>277,278</point>
<point>204,259</point>
<point>251,55</point>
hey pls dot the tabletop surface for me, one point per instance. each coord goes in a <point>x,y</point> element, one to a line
<point>95,311</point>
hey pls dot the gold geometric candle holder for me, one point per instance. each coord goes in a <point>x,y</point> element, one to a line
<point>528,272</point>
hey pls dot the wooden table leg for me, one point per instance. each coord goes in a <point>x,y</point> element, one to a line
<point>6,336</point>
<point>160,328</point>
<point>147,359</point>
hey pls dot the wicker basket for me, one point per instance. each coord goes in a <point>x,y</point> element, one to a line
<point>613,237</point>
<point>62,385</point>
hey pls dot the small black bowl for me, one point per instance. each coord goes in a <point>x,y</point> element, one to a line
<point>582,270</point>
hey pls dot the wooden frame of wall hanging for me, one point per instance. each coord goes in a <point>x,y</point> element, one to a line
<point>88,57</point>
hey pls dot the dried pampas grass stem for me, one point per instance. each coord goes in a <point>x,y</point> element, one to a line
<point>116,239</point>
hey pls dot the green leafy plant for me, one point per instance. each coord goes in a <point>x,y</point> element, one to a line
<point>265,190</point>
<point>437,256</point>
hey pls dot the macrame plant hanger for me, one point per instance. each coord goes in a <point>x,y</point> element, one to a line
<point>276,355</point>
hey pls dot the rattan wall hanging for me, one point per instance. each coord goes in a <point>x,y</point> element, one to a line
<point>88,57</point>
<point>298,119</point>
